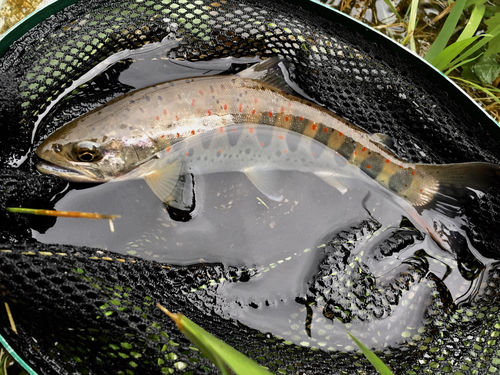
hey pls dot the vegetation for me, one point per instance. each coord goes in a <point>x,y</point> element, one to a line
<point>461,38</point>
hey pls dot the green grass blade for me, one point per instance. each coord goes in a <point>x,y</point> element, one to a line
<point>495,32</point>
<point>460,64</point>
<point>412,23</point>
<point>451,52</point>
<point>393,10</point>
<point>479,87</point>
<point>446,32</point>
<point>374,360</point>
<point>474,21</point>
<point>222,355</point>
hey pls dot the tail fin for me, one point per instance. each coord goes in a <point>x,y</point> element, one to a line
<point>457,184</point>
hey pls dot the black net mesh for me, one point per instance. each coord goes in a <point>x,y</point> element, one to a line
<point>82,310</point>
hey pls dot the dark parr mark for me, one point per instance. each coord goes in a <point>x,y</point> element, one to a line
<point>298,126</point>
<point>264,136</point>
<point>347,148</point>
<point>322,136</point>
<point>233,137</point>
<point>373,165</point>
<point>400,181</point>
<point>206,139</point>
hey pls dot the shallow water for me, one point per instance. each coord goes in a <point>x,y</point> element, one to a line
<point>285,247</point>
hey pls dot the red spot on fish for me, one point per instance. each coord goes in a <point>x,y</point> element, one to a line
<point>406,185</point>
<point>162,136</point>
<point>387,161</point>
<point>313,126</point>
<point>178,135</point>
<point>168,149</point>
<point>301,118</point>
<point>250,130</point>
<point>176,118</point>
<point>282,109</point>
<point>413,173</point>
<point>253,112</point>
<point>325,129</point>
<point>192,132</point>
<point>340,134</point>
<point>225,107</point>
<point>281,137</point>
<point>219,151</point>
<point>270,113</point>
<point>164,112</point>
<point>314,153</point>
<point>262,143</point>
<point>286,118</point>
<point>201,92</point>
<point>369,166</point>
<point>363,149</point>
<point>209,112</point>
<point>400,166</point>
<point>221,130</point>
<point>192,103</point>
<point>355,152</point>
<point>421,190</point>
<point>234,130</point>
<point>256,100</point>
<point>241,107</point>
<point>187,153</point>
<point>285,151</point>
<point>157,118</point>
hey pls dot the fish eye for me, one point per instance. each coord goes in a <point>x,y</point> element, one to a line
<point>87,152</point>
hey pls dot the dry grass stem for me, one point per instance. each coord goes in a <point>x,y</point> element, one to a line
<point>11,319</point>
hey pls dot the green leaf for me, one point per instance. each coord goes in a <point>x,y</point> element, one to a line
<point>222,355</point>
<point>491,10</point>
<point>465,62</point>
<point>451,52</point>
<point>446,32</point>
<point>487,69</point>
<point>374,360</point>
<point>474,21</point>
<point>494,44</point>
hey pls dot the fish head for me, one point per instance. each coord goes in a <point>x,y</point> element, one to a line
<point>81,154</point>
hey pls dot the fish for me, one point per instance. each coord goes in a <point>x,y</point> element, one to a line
<point>187,126</point>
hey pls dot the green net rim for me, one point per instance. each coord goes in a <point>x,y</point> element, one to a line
<point>14,355</point>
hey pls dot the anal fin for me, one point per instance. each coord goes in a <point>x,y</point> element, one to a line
<point>267,181</point>
<point>332,179</point>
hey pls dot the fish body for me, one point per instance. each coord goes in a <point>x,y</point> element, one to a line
<point>123,135</point>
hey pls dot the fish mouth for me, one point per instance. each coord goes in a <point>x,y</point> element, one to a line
<point>66,173</point>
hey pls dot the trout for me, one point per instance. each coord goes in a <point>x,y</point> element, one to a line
<point>164,131</point>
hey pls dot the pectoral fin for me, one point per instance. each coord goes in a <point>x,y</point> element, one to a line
<point>267,181</point>
<point>163,181</point>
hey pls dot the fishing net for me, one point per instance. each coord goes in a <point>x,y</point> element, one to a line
<point>90,311</point>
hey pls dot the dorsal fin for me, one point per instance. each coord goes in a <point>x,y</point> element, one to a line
<point>383,139</point>
<point>269,72</point>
